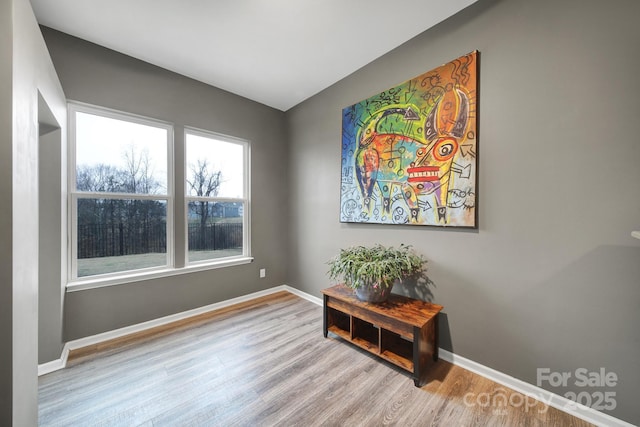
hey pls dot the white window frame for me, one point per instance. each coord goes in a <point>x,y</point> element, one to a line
<point>75,283</point>
<point>74,195</point>
<point>245,200</point>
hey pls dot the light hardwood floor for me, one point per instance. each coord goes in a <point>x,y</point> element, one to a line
<point>266,363</point>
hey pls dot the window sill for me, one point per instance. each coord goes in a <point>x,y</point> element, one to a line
<point>93,283</point>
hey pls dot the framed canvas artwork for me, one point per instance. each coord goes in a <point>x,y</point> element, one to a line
<point>409,154</point>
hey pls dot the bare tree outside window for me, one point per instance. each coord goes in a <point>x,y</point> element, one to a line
<point>118,227</point>
<point>138,172</point>
<point>203,182</point>
<point>215,196</point>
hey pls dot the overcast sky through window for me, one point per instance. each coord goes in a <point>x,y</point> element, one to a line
<point>103,140</point>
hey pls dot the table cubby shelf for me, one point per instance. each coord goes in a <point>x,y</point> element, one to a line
<point>402,331</point>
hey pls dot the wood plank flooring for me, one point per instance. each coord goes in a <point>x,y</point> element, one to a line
<point>266,363</point>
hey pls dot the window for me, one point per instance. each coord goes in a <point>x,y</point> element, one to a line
<point>217,196</point>
<point>121,186</point>
<point>121,192</point>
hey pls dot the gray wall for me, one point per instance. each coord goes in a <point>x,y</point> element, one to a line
<point>6,240</point>
<point>551,279</point>
<point>99,76</point>
<point>25,72</point>
<point>52,244</point>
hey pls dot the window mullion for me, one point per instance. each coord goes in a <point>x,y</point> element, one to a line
<point>120,196</point>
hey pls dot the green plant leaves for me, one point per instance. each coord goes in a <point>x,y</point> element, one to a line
<point>363,266</point>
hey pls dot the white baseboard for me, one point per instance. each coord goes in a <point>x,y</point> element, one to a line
<point>54,365</point>
<point>303,295</point>
<point>139,327</point>
<point>61,363</point>
<point>559,402</point>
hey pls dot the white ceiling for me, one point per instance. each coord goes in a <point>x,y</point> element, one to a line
<point>276,52</point>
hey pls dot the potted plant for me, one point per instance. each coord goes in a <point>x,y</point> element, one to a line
<point>372,271</point>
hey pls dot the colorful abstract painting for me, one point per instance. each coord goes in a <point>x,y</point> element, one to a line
<point>409,154</point>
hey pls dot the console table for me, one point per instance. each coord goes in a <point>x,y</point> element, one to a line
<point>401,330</point>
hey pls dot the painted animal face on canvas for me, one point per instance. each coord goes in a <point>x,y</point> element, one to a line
<point>413,162</point>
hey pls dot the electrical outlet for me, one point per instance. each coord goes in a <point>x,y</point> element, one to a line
<point>263,273</point>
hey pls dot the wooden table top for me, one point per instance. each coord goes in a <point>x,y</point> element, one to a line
<point>411,311</point>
